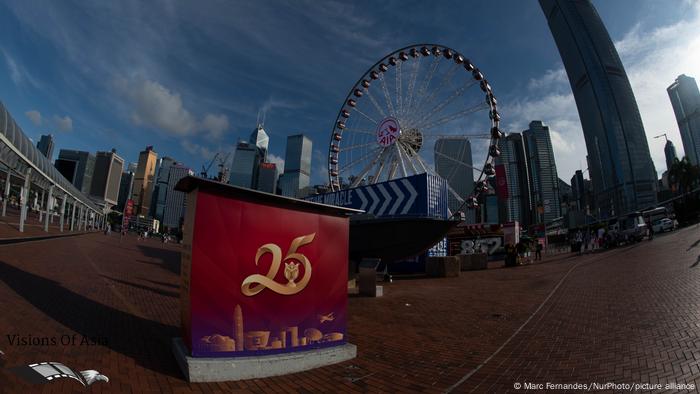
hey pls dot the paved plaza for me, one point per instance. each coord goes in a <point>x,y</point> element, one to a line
<point>625,316</point>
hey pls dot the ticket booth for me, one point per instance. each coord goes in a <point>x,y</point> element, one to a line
<point>263,287</point>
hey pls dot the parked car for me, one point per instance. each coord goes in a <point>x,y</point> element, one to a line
<point>662,225</point>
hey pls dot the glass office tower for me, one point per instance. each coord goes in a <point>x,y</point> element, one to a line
<point>623,174</point>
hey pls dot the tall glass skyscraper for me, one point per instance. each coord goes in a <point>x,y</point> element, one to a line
<point>260,139</point>
<point>160,189</point>
<point>544,181</point>
<point>453,161</point>
<point>623,174</point>
<point>244,169</point>
<point>297,165</point>
<point>45,145</point>
<point>515,167</point>
<point>685,99</point>
<point>670,152</point>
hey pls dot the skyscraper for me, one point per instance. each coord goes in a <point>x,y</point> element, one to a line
<point>267,177</point>
<point>685,99</point>
<point>297,165</point>
<point>143,180</point>
<point>453,161</point>
<point>45,145</point>
<point>160,190</point>
<point>623,174</point>
<point>513,165</point>
<point>244,169</point>
<point>175,200</point>
<point>670,152</point>
<point>260,139</point>
<point>544,181</point>
<point>77,167</point>
<point>125,186</point>
<point>107,177</point>
<point>578,193</point>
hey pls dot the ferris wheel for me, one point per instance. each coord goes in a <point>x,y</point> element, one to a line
<point>393,116</point>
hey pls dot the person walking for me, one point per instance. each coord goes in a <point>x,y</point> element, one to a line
<point>538,251</point>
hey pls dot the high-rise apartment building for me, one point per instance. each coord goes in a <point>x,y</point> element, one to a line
<point>620,165</point>
<point>45,145</point>
<point>513,165</point>
<point>175,200</point>
<point>107,177</point>
<point>685,99</point>
<point>143,180</point>
<point>77,167</point>
<point>544,181</point>
<point>453,162</point>
<point>297,165</point>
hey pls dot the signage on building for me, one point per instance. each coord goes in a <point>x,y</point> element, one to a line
<point>128,213</point>
<point>261,277</point>
<point>417,195</point>
<point>501,182</point>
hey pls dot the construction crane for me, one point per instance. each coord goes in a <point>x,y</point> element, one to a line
<point>662,135</point>
<point>205,168</point>
<point>223,175</point>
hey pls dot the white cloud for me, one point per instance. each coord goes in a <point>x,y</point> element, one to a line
<point>154,105</point>
<point>17,73</point>
<point>550,77</point>
<point>63,123</point>
<point>653,60</point>
<point>197,150</point>
<point>277,160</point>
<point>319,167</point>
<point>34,116</point>
<point>550,99</point>
<point>215,125</point>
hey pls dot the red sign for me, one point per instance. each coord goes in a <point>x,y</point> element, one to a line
<point>501,182</point>
<point>388,131</point>
<point>259,278</point>
<point>128,213</point>
<point>269,166</point>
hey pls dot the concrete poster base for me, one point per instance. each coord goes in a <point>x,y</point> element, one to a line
<point>210,369</point>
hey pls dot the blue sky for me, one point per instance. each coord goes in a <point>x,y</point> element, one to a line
<point>191,77</point>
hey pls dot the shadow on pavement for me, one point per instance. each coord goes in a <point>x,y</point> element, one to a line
<point>169,259</point>
<point>693,245</point>
<point>697,261</point>
<point>155,282</point>
<point>146,341</point>
<point>148,288</point>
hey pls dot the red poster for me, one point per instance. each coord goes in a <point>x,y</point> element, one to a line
<point>128,212</point>
<point>264,278</point>
<point>501,182</point>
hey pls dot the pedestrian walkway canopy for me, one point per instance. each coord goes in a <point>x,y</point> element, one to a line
<point>20,158</point>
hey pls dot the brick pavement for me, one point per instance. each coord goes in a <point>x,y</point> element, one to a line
<point>9,225</point>
<point>424,335</point>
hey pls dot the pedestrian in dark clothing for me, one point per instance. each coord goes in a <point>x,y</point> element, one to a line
<point>538,251</point>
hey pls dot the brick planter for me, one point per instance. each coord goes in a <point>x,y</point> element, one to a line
<point>470,262</point>
<point>443,267</point>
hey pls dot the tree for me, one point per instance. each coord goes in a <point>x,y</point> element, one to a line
<point>683,176</point>
<point>683,179</point>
